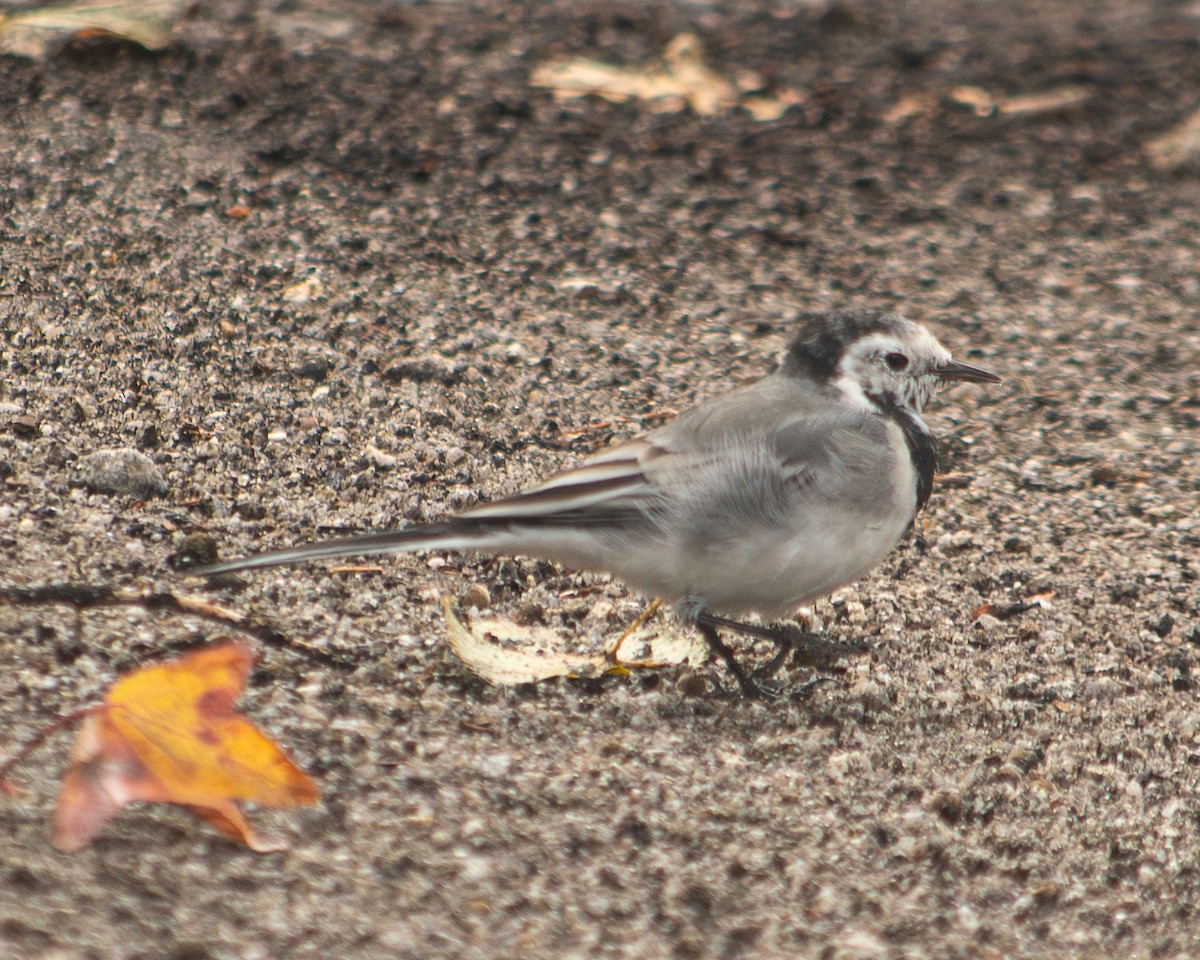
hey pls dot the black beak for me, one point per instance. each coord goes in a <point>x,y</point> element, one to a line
<point>953,371</point>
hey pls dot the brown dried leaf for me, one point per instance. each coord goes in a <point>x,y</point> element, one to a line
<point>169,733</point>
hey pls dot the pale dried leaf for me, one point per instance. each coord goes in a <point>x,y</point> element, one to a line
<point>653,645</point>
<point>578,284</point>
<point>985,104</point>
<point>680,78</point>
<point>147,22</point>
<point>764,109</point>
<point>506,653</point>
<point>706,90</point>
<point>307,290</point>
<point>911,105</point>
<point>1060,98</point>
<point>1178,148</point>
<point>977,98</point>
<point>207,608</point>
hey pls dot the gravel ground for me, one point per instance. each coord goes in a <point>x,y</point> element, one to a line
<point>331,270</point>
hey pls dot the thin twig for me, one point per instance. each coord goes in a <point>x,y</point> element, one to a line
<point>44,734</point>
<point>83,596</point>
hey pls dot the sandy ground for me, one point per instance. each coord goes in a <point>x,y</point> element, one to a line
<point>441,284</point>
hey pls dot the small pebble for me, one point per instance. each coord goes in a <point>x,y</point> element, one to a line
<point>986,623</point>
<point>476,597</point>
<point>602,610</point>
<point>948,805</point>
<point>316,370</point>
<point>379,458</point>
<point>122,472</point>
<point>23,426</point>
<point>195,549</point>
<point>693,685</point>
<point>496,764</point>
<point>432,366</point>
<point>954,542</point>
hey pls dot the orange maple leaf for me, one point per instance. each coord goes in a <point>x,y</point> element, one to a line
<point>169,734</point>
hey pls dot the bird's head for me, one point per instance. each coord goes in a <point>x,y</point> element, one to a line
<point>877,360</point>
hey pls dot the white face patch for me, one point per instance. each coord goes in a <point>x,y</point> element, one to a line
<point>852,390</point>
<point>896,367</point>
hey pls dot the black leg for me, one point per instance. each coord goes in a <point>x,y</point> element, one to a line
<point>717,646</point>
<point>751,687</point>
<point>771,667</point>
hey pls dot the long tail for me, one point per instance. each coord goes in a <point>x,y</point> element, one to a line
<point>454,534</point>
<point>605,491</point>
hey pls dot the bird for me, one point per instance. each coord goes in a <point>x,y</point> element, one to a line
<point>755,502</point>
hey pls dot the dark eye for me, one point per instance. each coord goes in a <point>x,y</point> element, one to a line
<point>896,361</point>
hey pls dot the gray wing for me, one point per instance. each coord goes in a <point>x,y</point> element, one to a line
<point>769,453</point>
<point>850,458</point>
<point>761,443</point>
<point>609,488</point>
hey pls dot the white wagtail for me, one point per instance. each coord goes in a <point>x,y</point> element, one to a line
<point>757,501</point>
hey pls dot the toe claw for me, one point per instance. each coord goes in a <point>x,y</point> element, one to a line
<point>756,689</point>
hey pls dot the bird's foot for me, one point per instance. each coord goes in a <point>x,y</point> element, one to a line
<point>752,686</point>
<point>806,649</point>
